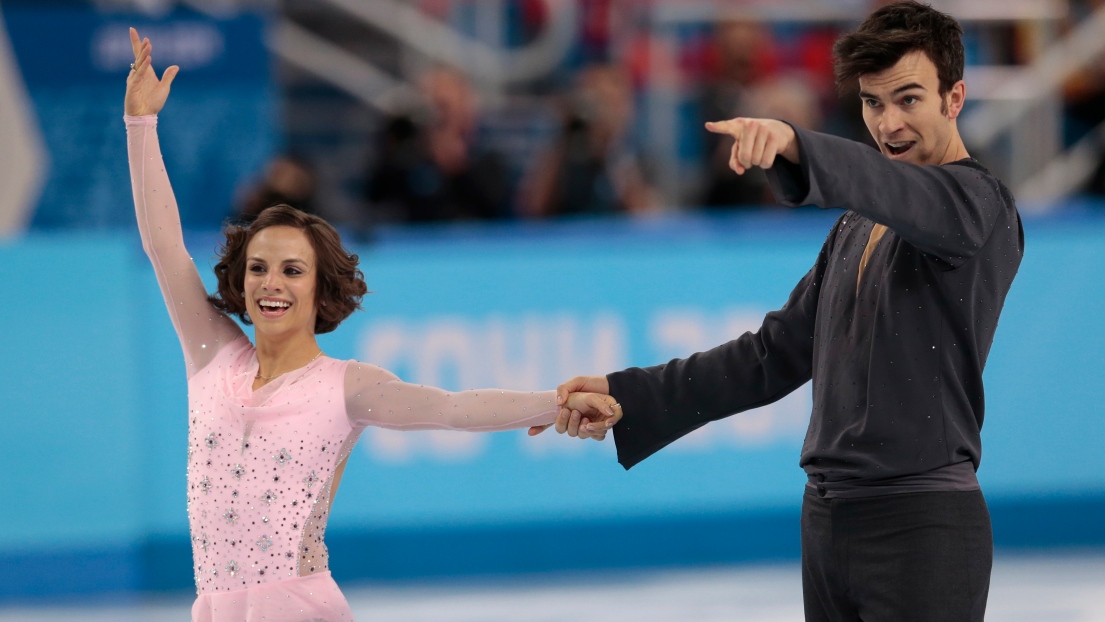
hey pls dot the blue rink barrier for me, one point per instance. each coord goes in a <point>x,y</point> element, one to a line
<point>93,380</point>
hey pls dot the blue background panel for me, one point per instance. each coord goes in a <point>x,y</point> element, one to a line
<point>96,394</point>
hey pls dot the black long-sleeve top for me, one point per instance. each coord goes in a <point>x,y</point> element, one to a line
<point>897,365</point>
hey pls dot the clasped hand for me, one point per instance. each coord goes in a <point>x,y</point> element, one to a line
<point>586,409</point>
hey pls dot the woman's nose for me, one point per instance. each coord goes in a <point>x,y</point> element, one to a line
<point>272,282</point>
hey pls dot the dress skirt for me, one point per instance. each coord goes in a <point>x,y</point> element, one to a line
<point>313,598</point>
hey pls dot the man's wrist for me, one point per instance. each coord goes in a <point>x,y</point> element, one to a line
<point>791,153</point>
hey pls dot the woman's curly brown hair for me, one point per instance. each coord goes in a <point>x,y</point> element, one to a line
<point>339,285</point>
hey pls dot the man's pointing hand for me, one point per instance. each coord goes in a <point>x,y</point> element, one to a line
<point>757,142</point>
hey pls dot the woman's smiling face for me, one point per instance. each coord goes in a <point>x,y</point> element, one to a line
<point>280,281</point>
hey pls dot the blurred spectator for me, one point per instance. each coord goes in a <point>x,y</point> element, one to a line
<point>1084,100</point>
<point>1085,113</point>
<point>287,180</point>
<point>744,57</point>
<point>593,166</point>
<point>1084,94</point>
<point>432,169</point>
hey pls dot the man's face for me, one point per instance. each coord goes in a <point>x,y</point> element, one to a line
<point>905,113</point>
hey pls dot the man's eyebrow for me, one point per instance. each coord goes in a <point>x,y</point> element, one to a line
<point>907,87</point>
<point>900,89</point>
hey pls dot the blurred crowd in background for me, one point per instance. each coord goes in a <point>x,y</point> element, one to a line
<point>576,141</point>
<point>414,111</point>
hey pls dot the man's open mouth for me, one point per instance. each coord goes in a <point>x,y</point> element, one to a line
<point>898,149</point>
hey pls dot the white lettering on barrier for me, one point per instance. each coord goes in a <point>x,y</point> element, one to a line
<point>192,45</point>
<point>535,352</point>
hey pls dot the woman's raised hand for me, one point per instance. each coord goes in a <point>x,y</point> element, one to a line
<point>145,93</point>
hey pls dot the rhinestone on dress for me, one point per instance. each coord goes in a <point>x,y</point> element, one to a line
<point>268,497</point>
<point>231,516</point>
<point>264,543</point>
<point>211,442</point>
<point>232,568</point>
<point>238,471</point>
<point>310,479</point>
<point>282,457</point>
<point>205,484</point>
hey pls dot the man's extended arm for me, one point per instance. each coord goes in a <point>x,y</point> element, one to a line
<point>946,211</point>
<point>663,403</point>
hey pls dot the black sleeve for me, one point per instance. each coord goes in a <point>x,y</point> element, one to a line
<point>945,211</point>
<point>662,403</point>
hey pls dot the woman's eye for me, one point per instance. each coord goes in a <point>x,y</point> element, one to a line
<point>256,269</point>
<point>291,272</point>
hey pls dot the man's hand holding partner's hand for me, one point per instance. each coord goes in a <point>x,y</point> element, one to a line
<point>586,408</point>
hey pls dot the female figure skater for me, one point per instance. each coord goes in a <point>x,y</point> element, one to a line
<point>270,425</point>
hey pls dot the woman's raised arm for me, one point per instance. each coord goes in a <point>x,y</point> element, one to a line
<point>202,329</point>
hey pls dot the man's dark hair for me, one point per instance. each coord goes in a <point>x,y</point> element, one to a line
<point>895,30</point>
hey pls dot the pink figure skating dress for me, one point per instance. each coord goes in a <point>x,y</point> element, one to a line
<point>263,465</point>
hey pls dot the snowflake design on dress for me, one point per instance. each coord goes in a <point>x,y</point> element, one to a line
<point>289,555</point>
<point>310,480</point>
<point>232,568</point>
<point>203,542</point>
<point>265,542</point>
<point>268,497</point>
<point>211,442</point>
<point>238,471</point>
<point>231,516</point>
<point>282,457</point>
<point>205,484</point>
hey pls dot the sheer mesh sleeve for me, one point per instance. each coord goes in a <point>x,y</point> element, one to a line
<point>375,396</point>
<point>202,329</point>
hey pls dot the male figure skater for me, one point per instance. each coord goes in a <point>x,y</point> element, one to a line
<point>893,323</point>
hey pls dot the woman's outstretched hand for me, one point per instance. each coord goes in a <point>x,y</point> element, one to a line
<point>145,93</point>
